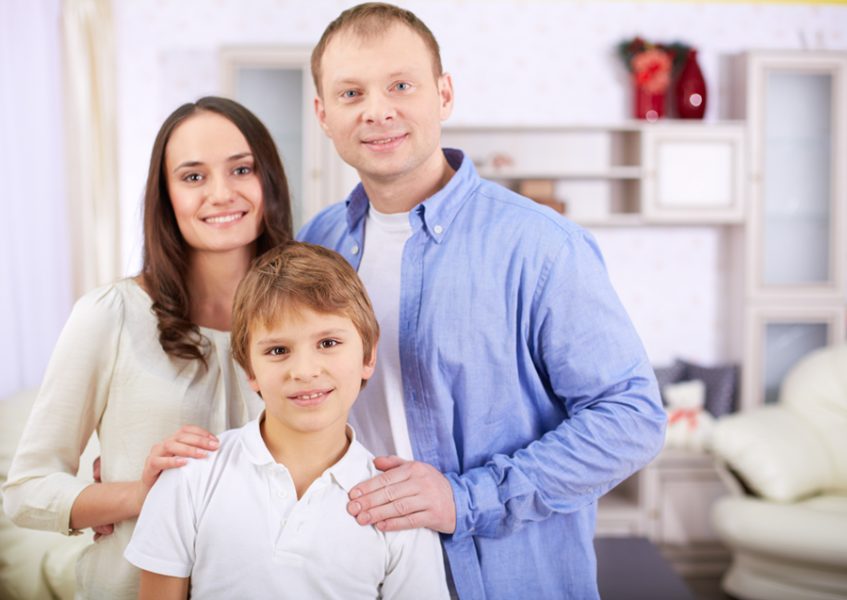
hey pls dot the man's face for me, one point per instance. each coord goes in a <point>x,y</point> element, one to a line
<point>382,105</point>
<point>309,369</point>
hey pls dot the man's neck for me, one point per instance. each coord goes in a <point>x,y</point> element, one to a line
<point>305,455</point>
<point>401,194</point>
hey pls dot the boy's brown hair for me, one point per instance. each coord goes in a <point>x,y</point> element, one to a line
<point>299,275</point>
<point>369,20</point>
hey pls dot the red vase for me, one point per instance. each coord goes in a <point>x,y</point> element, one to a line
<point>691,89</point>
<point>648,105</point>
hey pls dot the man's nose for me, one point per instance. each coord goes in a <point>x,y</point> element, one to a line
<point>378,109</point>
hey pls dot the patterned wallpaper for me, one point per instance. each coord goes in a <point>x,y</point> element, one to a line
<point>513,62</point>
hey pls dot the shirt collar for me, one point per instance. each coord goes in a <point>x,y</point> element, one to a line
<point>347,472</point>
<point>437,212</point>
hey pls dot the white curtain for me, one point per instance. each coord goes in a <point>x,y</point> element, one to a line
<point>89,64</point>
<point>58,163</point>
<point>35,284</point>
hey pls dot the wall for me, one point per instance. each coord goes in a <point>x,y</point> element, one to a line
<point>513,61</point>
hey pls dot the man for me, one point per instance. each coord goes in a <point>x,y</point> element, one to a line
<point>515,379</point>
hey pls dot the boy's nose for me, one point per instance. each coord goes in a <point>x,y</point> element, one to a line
<point>304,367</point>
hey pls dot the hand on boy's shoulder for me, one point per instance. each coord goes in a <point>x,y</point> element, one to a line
<point>407,495</point>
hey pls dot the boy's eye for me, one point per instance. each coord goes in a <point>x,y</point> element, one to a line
<point>277,351</point>
<point>348,94</point>
<point>326,344</point>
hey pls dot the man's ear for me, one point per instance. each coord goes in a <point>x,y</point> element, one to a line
<point>370,365</point>
<point>320,113</point>
<point>445,94</point>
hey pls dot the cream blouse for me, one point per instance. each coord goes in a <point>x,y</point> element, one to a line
<point>109,373</point>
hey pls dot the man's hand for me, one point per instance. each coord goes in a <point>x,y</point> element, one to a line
<point>408,495</point>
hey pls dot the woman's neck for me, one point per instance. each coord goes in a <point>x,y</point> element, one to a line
<point>212,280</point>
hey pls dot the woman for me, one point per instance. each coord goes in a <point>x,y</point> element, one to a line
<point>142,357</point>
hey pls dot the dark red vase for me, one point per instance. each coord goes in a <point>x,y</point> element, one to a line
<point>691,89</point>
<point>648,105</point>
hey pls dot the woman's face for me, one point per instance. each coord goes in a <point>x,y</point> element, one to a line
<point>214,189</point>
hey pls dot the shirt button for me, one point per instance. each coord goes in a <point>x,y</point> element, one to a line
<point>355,249</point>
<point>438,229</point>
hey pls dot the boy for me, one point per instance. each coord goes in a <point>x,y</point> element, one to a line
<point>265,515</point>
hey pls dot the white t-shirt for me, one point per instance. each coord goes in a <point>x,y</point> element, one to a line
<point>232,522</point>
<point>379,415</point>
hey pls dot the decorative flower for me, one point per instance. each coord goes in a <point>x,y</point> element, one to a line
<point>652,64</point>
<point>652,70</point>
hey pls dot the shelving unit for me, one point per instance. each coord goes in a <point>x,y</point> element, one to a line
<point>618,175</point>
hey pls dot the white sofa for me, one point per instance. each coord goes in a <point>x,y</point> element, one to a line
<point>787,525</point>
<point>35,565</point>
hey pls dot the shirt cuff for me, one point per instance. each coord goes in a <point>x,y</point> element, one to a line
<point>479,510</point>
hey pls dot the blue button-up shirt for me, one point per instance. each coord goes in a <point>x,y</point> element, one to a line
<point>524,380</point>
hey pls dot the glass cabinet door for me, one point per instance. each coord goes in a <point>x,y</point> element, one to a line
<point>797,190</point>
<point>784,345</point>
<point>796,113</point>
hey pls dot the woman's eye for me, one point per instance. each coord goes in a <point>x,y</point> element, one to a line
<point>325,344</point>
<point>192,177</point>
<point>243,170</point>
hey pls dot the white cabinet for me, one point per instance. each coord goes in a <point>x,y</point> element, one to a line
<point>693,173</point>
<point>796,240</point>
<point>797,120</point>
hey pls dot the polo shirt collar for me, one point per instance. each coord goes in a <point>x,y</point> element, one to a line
<point>437,212</point>
<point>347,472</point>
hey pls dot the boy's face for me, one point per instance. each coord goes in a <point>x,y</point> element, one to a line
<point>381,103</point>
<point>309,368</point>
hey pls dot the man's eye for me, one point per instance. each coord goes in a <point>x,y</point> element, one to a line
<point>403,86</point>
<point>347,94</point>
<point>277,351</point>
<point>326,344</point>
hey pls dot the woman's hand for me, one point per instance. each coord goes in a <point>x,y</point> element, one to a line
<point>100,505</point>
<point>189,442</point>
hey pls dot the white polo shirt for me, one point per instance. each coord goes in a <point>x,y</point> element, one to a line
<point>232,522</point>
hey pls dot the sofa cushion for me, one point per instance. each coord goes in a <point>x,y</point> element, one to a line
<point>779,456</point>
<point>810,531</point>
<point>816,392</point>
<point>35,564</point>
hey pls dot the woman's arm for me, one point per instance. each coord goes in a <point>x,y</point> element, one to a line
<point>106,503</point>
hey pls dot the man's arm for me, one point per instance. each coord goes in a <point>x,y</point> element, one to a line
<point>595,366</point>
<point>162,587</point>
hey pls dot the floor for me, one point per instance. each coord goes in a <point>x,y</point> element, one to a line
<point>706,588</point>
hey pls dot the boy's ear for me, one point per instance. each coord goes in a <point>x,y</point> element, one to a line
<point>370,365</point>
<point>254,385</point>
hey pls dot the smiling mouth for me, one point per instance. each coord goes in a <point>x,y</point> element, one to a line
<point>385,142</point>
<point>310,398</point>
<point>224,219</point>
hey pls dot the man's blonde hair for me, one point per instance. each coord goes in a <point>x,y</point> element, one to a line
<point>370,20</point>
<point>297,275</point>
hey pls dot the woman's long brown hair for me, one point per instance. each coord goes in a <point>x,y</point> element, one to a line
<point>165,260</point>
